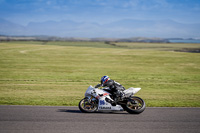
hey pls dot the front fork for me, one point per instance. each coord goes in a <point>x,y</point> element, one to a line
<point>92,100</point>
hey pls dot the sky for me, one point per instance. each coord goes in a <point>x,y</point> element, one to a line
<point>101,18</point>
<point>99,11</point>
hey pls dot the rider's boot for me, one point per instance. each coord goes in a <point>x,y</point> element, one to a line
<point>113,103</point>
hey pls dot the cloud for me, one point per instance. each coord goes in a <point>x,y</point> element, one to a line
<point>101,11</point>
<point>48,2</point>
<point>131,3</point>
<point>143,5</point>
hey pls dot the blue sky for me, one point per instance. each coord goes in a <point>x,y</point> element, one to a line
<point>100,11</point>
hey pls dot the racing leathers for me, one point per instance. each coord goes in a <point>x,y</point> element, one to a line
<point>116,89</point>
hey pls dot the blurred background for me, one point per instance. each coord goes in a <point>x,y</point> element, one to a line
<point>101,18</point>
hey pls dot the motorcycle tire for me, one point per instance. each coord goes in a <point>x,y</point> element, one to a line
<point>135,105</point>
<point>87,107</point>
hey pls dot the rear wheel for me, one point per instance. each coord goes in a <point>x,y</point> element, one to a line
<point>135,105</point>
<point>87,106</point>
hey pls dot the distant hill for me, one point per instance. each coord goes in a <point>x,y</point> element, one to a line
<point>9,28</point>
<point>54,38</point>
<point>106,40</point>
<point>125,28</point>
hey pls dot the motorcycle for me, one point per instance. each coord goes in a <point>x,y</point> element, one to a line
<point>96,100</point>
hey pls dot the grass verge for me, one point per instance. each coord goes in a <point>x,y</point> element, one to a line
<point>58,73</point>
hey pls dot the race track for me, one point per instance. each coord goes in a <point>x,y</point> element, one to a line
<point>61,119</point>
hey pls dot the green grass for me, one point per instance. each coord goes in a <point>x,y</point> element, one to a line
<point>58,73</point>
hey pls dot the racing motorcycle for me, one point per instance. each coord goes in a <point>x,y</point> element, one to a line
<point>96,100</point>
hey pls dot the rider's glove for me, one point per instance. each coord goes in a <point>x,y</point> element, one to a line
<point>99,85</point>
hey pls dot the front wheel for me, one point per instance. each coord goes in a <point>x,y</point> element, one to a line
<point>87,106</point>
<point>135,105</point>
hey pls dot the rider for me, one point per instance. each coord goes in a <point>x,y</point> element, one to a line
<point>115,88</point>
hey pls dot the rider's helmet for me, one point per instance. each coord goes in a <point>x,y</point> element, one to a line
<point>104,79</point>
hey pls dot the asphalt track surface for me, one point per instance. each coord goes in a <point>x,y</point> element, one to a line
<point>61,119</point>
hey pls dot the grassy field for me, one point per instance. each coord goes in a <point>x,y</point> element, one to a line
<point>58,73</point>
